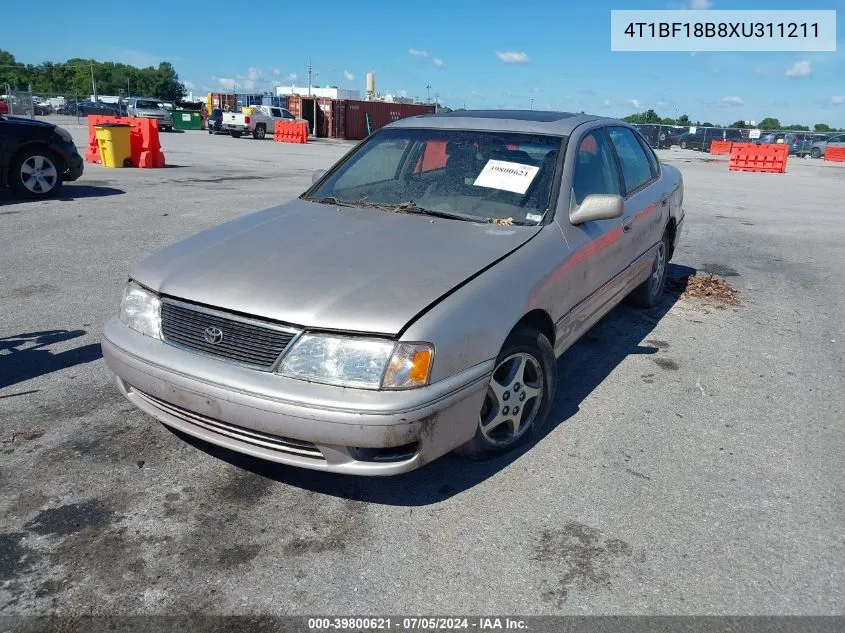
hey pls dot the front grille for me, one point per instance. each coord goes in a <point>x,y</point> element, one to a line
<point>248,436</point>
<point>247,341</point>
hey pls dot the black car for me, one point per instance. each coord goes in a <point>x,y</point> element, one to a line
<point>702,138</point>
<point>215,122</point>
<point>36,157</point>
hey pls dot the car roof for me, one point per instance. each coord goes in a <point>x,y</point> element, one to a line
<point>527,121</point>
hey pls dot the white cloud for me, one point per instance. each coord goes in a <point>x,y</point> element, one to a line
<point>416,52</point>
<point>292,77</point>
<point>837,100</point>
<point>634,103</point>
<point>661,104</point>
<point>189,85</point>
<point>733,101</point>
<point>348,76</point>
<point>253,74</point>
<point>800,69</point>
<point>606,103</point>
<point>403,94</point>
<point>513,57</point>
<point>277,72</point>
<point>437,62</point>
<point>229,83</point>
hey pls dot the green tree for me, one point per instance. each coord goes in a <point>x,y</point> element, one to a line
<point>737,124</point>
<point>769,124</point>
<point>649,116</point>
<point>683,120</point>
<point>822,127</point>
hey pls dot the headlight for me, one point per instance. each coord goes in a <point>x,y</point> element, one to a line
<point>358,362</point>
<point>140,309</point>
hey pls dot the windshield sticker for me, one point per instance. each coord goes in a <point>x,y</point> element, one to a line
<point>507,176</point>
<point>533,217</point>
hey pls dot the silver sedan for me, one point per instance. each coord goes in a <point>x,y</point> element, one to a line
<point>412,302</point>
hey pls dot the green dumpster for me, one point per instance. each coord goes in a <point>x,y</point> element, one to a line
<point>187,120</point>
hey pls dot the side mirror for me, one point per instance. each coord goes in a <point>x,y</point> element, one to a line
<point>597,207</point>
<point>319,174</point>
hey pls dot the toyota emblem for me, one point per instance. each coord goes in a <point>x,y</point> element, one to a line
<point>213,335</point>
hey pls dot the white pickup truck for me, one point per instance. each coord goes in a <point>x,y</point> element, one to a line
<point>260,124</point>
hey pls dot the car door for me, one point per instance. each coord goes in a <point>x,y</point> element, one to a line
<point>587,282</point>
<point>646,201</point>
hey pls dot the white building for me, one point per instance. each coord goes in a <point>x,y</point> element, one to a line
<point>330,93</point>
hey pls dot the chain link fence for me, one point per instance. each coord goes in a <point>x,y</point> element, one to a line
<point>19,102</point>
<point>700,137</point>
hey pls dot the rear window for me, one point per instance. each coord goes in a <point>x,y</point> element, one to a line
<point>147,105</point>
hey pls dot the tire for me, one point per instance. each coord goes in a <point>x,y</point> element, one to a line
<point>211,132</point>
<point>234,134</point>
<point>35,173</point>
<point>525,366</point>
<point>816,152</point>
<point>683,144</point>
<point>649,293</point>
<point>259,132</point>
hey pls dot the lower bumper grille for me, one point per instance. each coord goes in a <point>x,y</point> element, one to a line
<point>248,436</point>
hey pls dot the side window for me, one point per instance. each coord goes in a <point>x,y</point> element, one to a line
<point>636,170</point>
<point>287,114</point>
<point>652,159</point>
<point>595,169</point>
<point>276,113</point>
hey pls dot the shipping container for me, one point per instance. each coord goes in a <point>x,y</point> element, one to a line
<point>295,105</point>
<point>380,114</point>
<point>247,99</point>
<point>338,118</point>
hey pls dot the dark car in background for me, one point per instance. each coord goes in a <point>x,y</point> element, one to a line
<point>660,136</point>
<point>215,122</point>
<point>36,157</point>
<point>84,108</point>
<point>702,137</point>
<point>818,147</point>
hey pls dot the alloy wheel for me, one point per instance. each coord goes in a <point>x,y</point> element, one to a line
<point>38,174</point>
<point>513,399</point>
<point>658,269</point>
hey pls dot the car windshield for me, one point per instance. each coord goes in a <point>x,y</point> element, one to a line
<point>484,176</point>
<point>147,105</point>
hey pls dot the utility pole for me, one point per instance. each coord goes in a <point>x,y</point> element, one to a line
<point>128,94</point>
<point>436,102</point>
<point>93,83</point>
<point>531,102</point>
<point>309,78</point>
<point>428,92</point>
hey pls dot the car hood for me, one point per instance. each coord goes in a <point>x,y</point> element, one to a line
<point>30,122</point>
<point>324,267</point>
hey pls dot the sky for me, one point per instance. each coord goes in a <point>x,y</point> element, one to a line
<point>492,54</point>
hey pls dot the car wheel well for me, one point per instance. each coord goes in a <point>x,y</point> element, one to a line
<point>540,321</point>
<point>60,165</point>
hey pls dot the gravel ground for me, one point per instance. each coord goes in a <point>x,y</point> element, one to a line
<point>693,462</point>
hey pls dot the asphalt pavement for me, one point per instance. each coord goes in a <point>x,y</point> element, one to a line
<point>692,464</point>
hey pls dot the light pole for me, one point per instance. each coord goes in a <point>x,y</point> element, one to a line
<point>428,92</point>
<point>531,102</point>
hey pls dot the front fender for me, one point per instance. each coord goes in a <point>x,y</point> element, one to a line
<point>469,326</point>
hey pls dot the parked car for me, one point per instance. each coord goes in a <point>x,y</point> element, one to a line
<point>702,138</point>
<point>215,122</point>
<point>434,324</point>
<point>36,157</point>
<point>150,108</point>
<point>85,108</point>
<point>818,148</point>
<point>799,143</point>
<point>259,124</point>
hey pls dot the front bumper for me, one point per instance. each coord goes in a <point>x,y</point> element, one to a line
<point>294,422</point>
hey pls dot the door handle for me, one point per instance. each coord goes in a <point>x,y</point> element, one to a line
<point>664,200</point>
<point>626,224</point>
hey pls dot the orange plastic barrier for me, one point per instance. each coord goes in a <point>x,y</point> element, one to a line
<point>835,154</point>
<point>146,147</point>
<point>720,147</point>
<point>770,159</point>
<point>290,132</point>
